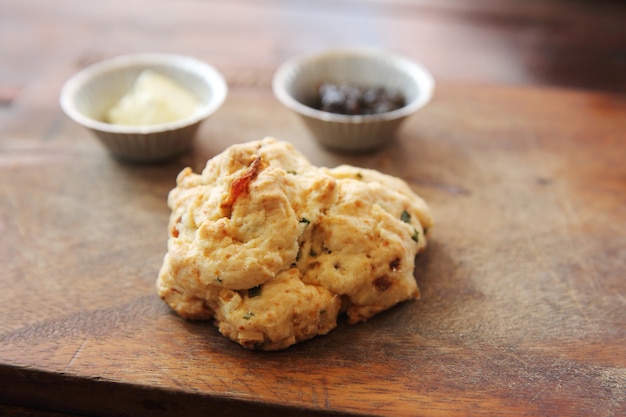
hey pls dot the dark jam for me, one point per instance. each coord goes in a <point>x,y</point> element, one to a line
<point>353,100</point>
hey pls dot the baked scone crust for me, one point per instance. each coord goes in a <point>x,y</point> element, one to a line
<point>273,249</point>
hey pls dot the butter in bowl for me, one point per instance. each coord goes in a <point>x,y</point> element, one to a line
<point>144,107</point>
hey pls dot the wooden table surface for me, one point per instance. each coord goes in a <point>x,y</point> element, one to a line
<point>520,156</point>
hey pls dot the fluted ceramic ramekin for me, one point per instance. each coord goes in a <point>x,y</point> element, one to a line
<point>89,94</point>
<point>295,84</point>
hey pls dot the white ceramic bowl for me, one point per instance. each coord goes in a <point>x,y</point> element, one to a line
<point>296,83</point>
<point>88,95</point>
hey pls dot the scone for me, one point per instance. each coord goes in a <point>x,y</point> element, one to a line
<point>273,249</point>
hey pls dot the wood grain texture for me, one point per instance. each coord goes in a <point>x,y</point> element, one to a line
<point>568,43</point>
<point>523,282</point>
<point>523,289</point>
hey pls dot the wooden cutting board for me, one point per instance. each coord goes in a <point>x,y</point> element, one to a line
<point>523,308</point>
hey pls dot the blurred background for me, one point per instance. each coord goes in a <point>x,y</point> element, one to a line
<point>560,43</point>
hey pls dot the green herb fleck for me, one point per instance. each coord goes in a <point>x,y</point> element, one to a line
<point>292,172</point>
<point>254,291</point>
<point>248,315</point>
<point>305,220</point>
<point>416,235</point>
<point>312,253</point>
<point>405,216</point>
